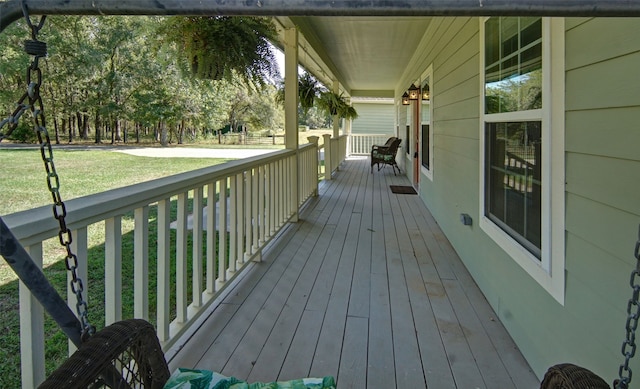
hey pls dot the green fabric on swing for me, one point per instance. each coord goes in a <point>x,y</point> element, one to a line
<point>205,379</point>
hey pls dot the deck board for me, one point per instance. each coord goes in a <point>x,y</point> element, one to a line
<point>366,288</point>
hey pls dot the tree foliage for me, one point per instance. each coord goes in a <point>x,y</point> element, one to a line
<point>106,77</point>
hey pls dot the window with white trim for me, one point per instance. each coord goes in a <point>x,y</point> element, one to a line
<point>426,135</point>
<point>522,143</point>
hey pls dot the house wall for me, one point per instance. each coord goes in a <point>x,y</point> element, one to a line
<point>602,134</point>
<point>375,117</point>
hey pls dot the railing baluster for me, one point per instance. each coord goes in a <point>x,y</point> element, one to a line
<point>248,214</point>
<point>197,247</point>
<point>261,204</point>
<point>222,246</point>
<point>293,185</point>
<point>141,263</point>
<point>233,225</point>
<point>272,198</point>
<point>280,198</point>
<point>240,227</point>
<point>31,330</point>
<point>181,259</point>
<point>254,195</point>
<point>302,182</point>
<point>211,237</point>
<point>80,246</point>
<point>164,262</point>
<point>113,270</point>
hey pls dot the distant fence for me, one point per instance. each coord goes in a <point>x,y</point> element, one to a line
<point>238,138</point>
<point>360,144</point>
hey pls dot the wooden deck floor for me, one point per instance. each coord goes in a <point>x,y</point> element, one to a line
<point>365,288</point>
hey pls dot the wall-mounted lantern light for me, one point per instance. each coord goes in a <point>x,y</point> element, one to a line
<point>414,92</point>
<point>425,92</point>
<point>405,99</point>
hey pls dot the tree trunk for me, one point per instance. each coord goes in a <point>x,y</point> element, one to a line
<point>71,127</point>
<point>63,126</point>
<point>181,132</point>
<point>56,130</point>
<point>83,122</point>
<point>163,134</point>
<point>98,130</point>
<point>138,132</point>
<point>117,129</point>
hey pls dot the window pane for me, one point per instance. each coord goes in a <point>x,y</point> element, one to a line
<point>406,136</point>
<point>492,41</point>
<point>513,82</point>
<point>509,35</point>
<point>531,31</point>
<point>425,145</point>
<point>513,180</point>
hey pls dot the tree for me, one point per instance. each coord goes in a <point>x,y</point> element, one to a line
<point>118,73</point>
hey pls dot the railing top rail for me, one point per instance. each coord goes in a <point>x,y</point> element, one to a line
<point>35,225</point>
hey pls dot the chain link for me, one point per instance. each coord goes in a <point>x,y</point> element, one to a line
<point>633,317</point>
<point>32,101</point>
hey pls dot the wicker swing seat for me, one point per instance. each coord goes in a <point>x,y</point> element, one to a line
<point>569,376</point>
<point>126,354</point>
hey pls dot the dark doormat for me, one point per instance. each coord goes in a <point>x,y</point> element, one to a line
<point>403,189</point>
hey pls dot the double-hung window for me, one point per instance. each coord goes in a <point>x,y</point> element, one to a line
<point>522,143</point>
<point>426,129</point>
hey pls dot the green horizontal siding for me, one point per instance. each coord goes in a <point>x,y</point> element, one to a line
<point>374,118</point>
<point>608,132</point>
<point>602,133</point>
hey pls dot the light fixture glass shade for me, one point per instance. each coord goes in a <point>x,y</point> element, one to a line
<point>405,99</point>
<point>414,92</point>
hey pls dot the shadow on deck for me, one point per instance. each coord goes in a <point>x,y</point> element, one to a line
<point>365,288</point>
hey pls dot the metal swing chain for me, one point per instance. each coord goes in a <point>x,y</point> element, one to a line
<point>633,317</point>
<point>32,101</point>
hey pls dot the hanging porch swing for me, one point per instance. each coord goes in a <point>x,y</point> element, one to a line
<point>125,354</point>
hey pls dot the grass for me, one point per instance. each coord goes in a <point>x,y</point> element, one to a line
<point>81,173</point>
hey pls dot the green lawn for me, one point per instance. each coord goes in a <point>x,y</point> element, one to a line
<point>24,180</point>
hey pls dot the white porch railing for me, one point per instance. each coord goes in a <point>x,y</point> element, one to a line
<point>360,144</point>
<point>335,152</point>
<point>236,209</point>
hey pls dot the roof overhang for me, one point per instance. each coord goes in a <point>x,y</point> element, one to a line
<point>365,46</point>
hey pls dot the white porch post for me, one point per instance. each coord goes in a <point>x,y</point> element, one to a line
<point>328,167</point>
<point>335,164</point>
<point>347,129</point>
<point>291,108</point>
<point>336,118</point>
<point>31,330</point>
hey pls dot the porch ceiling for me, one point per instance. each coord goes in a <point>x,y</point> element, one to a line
<point>367,55</point>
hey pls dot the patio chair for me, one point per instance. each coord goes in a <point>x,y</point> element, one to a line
<point>386,155</point>
<point>386,144</point>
